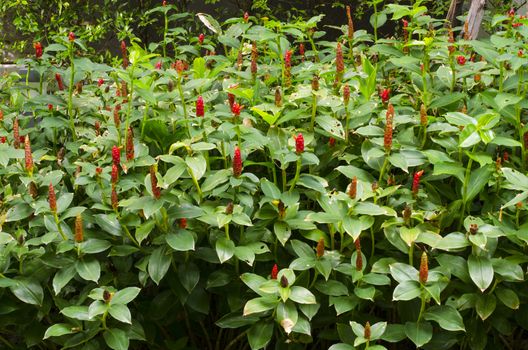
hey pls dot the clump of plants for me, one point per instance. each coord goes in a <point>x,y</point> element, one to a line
<point>265,188</point>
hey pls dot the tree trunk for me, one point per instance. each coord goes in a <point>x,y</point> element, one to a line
<point>474,18</point>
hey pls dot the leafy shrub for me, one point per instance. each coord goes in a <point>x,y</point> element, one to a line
<point>292,193</point>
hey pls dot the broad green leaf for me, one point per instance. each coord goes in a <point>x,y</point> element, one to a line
<point>480,271</point>
<point>88,268</point>
<point>58,330</point>
<point>407,290</point>
<point>116,339</point>
<point>182,241</point>
<point>28,290</point>
<point>419,333</point>
<point>159,263</point>
<point>477,181</point>
<point>125,296</point>
<point>485,306</point>
<point>225,249</point>
<point>447,317</point>
<point>508,297</point>
<point>121,313</point>
<point>260,334</point>
<point>259,304</point>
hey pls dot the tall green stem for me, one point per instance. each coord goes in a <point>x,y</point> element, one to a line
<point>314,111</point>
<point>297,173</point>
<point>185,116</point>
<point>70,91</point>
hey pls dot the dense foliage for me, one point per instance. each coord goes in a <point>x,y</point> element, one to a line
<point>293,193</point>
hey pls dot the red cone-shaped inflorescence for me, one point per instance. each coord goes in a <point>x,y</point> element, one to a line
<point>359,257</point>
<point>254,58</point>
<point>236,108</point>
<point>130,144</point>
<point>385,95</point>
<point>115,174</point>
<point>331,142</point>
<point>387,137</point>
<point>301,51</point>
<point>284,282</point>
<point>366,332</point>
<point>117,119</point>
<point>114,198</point>
<point>3,139</point>
<point>451,40</point>
<point>320,248</point>
<point>340,62</point>
<point>278,97</point>
<point>38,50</point>
<point>71,36</point>
<point>79,234</point>
<point>180,67</point>
<point>16,133</point>
<point>124,54</point>
<point>60,84</point>
<point>100,82</point>
<point>350,24</point>
<point>52,198</point>
<point>405,35</point>
<point>423,115</point>
<point>246,17</point>
<point>237,162</point>
<point>416,182</point>
<point>200,110</point>
<point>164,3</point>
<point>28,156</point>
<point>116,155</point>
<point>274,272</point>
<point>287,68</point>
<point>352,190</point>
<point>156,191</point>
<point>424,268</point>
<point>346,94</point>
<point>299,143</point>
<point>315,83</point>
<point>201,38</point>
<point>158,65</point>
<point>97,127</point>
<point>182,223</point>
<point>461,60</point>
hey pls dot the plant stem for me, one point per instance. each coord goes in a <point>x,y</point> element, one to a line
<point>314,111</point>
<point>347,118</point>
<point>56,217</point>
<point>384,167</point>
<point>465,188</point>
<point>70,92</point>
<point>422,307</point>
<point>196,184</point>
<point>297,173</point>
<point>411,254</point>
<point>180,90</point>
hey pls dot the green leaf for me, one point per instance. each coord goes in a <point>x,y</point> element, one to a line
<point>225,249</point>
<point>447,317</point>
<point>331,126</point>
<point>62,277</point>
<point>189,275</point>
<point>331,287</point>
<point>94,246</point>
<point>508,297</point>
<point>76,312</point>
<point>407,290</point>
<point>480,271</point>
<point>88,268</point>
<point>159,263</point>
<point>121,313</point>
<point>59,329</point>
<point>116,339</point>
<point>215,180</point>
<point>28,290</point>
<point>403,272</point>
<point>260,334</point>
<point>485,305</point>
<point>259,304</point>
<point>125,296</point>
<point>477,181</point>
<point>181,241</point>
<point>419,333</point>
<point>302,295</point>
<point>269,189</point>
<point>282,231</point>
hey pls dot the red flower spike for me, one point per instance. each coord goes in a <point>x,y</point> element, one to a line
<point>346,94</point>
<point>461,60</point>
<point>254,58</point>
<point>52,199</point>
<point>236,108</point>
<point>3,139</point>
<point>179,67</point>
<point>114,198</point>
<point>331,142</point>
<point>387,137</point>
<point>237,162</point>
<point>116,155</point>
<point>287,68</point>
<point>520,53</point>
<point>22,139</point>
<point>98,171</point>
<point>124,54</point>
<point>367,331</point>
<point>301,50</point>
<point>340,62</point>
<point>201,38</point>
<point>511,12</point>
<point>299,144</point>
<point>200,107</point>
<point>38,50</point>
<point>156,191</point>
<point>315,83</point>
<point>115,174</point>
<point>385,95</point>
<point>517,24</point>
<point>130,144</point>
<point>284,282</point>
<point>352,191</point>
<point>359,257</point>
<point>423,115</point>
<point>50,107</point>
<point>71,36</point>
<point>117,119</point>
<point>350,24</point>
<point>278,97</point>
<point>16,134</point>
<point>158,65</point>
<point>97,126</point>
<point>60,84</point>
<point>416,182</point>
<point>79,234</point>
<point>274,272</point>
<point>451,40</point>
<point>182,223</point>
<point>28,156</point>
<point>164,3</point>
<point>505,156</point>
<point>320,248</point>
<point>424,268</point>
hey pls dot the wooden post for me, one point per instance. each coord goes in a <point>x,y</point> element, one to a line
<point>474,18</point>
